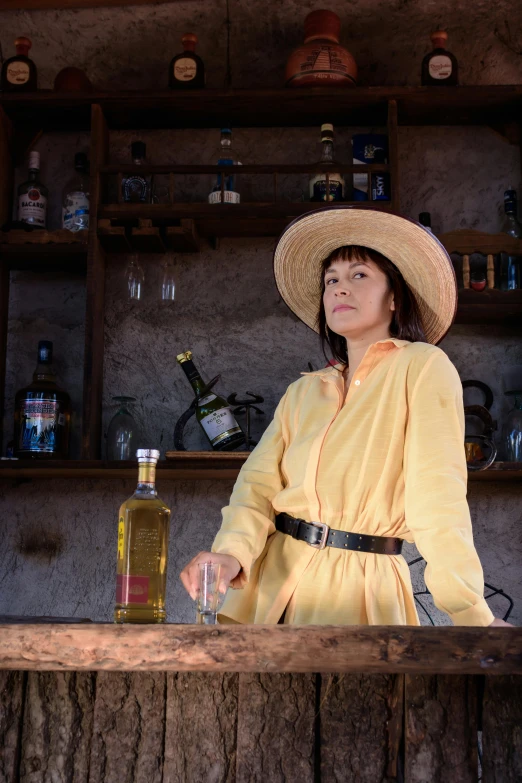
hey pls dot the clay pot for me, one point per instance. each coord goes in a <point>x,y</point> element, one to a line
<point>72,80</point>
<point>321,60</point>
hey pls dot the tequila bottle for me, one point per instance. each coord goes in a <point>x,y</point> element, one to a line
<point>213,412</point>
<point>225,157</point>
<point>136,188</point>
<point>187,71</point>
<point>19,72</point>
<point>143,546</point>
<point>318,187</point>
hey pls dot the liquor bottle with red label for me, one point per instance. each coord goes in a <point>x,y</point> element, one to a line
<point>187,71</point>
<point>19,72</point>
<point>439,67</point>
<point>143,547</point>
<point>42,413</point>
<point>32,196</point>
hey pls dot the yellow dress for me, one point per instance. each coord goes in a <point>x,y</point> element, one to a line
<point>387,461</point>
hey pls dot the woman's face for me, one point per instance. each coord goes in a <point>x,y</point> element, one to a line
<point>357,299</point>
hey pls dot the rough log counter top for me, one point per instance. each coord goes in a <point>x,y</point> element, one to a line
<point>99,703</point>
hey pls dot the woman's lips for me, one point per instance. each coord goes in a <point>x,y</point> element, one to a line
<point>343,307</point>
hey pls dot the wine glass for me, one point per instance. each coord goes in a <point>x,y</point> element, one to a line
<point>134,277</point>
<point>122,433</point>
<point>168,282</point>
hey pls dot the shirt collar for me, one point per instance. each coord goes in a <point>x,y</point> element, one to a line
<point>383,345</point>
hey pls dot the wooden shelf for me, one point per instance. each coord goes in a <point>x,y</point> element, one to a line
<point>42,250</point>
<point>255,648</point>
<point>185,465</point>
<point>489,307</point>
<point>359,106</point>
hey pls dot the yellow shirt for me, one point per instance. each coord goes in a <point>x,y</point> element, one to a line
<point>388,461</point>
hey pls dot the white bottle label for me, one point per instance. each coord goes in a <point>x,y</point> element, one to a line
<point>185,69</point>
<point>32,208</point>
<point>218,422</point>
<point>440,67</point>
<point>18,73</point>
<point>75,213</point>
<point>231,197</point>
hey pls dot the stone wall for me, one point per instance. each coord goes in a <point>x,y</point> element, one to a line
<point>228,310</point>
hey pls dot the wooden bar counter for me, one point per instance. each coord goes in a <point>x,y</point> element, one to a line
<point>184,703</point>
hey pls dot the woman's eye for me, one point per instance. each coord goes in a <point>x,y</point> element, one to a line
<point>331,280</point>
<point>359,273</point>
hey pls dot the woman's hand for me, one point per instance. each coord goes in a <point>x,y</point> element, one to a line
<point>500,624</point>
<point>230,568</point>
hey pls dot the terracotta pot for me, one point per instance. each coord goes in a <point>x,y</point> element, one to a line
<point>321,60</point>
<point>72,79</point>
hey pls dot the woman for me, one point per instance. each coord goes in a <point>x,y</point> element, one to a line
<point>363,454</point>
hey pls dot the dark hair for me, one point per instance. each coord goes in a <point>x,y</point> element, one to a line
<point>406,323</point>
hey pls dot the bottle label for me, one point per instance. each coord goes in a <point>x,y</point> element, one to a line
<point>380,187</point>
<point>41,426</point>
<point>440,67</point>
<point>75,213</point>
<point>219,422</point>
<point>230,197</point>
<point>318,187</point>
<point>132,589</point>
<point>135,188</point>
<point>121,537</point>
<point>32,207</point>
<point>185,69</point>
<point>147,473</point>
<point>18,72</point>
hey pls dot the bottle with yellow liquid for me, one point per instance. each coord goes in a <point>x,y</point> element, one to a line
<point>143,545</point>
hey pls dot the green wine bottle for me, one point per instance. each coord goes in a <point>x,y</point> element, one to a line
<point>213,411</point>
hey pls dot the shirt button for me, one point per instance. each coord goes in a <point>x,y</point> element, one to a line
<point>357,383</point>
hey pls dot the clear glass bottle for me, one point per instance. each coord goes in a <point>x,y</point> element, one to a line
<point>134,279</point>
<point>19,72</point>
<point>187,71</point>
<point>32,196</point>
<point>226,156</point>
<point>213,412</point>
<point>510,266</point>
<point>513,431</point>
<point>122,432</point>
<point>439,67</point>
<point>318,191</point>
<point>42,413</point>
<point>143,547</point>
<point>136,188</point>
<point>75,204</point>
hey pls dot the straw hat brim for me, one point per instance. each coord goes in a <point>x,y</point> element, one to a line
<point>415,251</point>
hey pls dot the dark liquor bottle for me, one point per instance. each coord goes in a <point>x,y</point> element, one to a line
<point>187,71</point>
<point>439,67</point>
<point>380,180</point>
<point>213,412</point>
<point>42,412</point>
<point>19,72</point>
<point>226,156</point>
<point>136,188</point>
<point>318,189</point>
<point>32,196</point>
<point>510,266</point>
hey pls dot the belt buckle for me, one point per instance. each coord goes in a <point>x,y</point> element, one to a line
<point>326,529</point>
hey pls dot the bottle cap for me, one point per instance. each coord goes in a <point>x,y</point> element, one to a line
<point>23,43</point>
<point>34,160</point>
<point>425,219</point>
<point>184,357</point>
<point>439,38</point>
<point>510,195</point>
<point>80,160</point>
<point>189,41</point>
<point>322,24</point>
<point>45,351</point>
<point>138,149</point>
<point>147,455</point>
<point>226,130</point>
<point>326,127</point>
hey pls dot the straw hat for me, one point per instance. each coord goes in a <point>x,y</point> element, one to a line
<point>419,256</point>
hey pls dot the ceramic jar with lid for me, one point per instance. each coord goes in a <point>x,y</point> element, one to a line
<point>321,60</point>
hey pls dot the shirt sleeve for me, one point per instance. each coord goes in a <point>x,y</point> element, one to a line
<point>436,507</point>
<point>248,519</point>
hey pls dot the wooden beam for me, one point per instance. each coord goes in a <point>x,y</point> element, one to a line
<point>42,5</point>
<point>95,301</point>
<point>261,648</point>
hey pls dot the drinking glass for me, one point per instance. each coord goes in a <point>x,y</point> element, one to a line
<point>122,433</point>
<point>168,282</point>
<point>134,277</point>
<point>208,593</point>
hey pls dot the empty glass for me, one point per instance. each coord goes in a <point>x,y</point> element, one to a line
<point>208,593</point>
<point>134,277</point>
<point>122,434</point>
<point>168,282</point>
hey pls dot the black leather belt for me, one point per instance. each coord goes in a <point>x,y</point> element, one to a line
<point>319,536</point>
